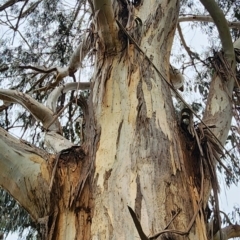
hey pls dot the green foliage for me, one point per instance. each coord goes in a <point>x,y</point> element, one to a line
<point>14,218</point>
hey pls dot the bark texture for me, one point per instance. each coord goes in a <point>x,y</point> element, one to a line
<point>140,161</point>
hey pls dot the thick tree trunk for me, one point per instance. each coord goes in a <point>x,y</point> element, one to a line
<point>141,157</point>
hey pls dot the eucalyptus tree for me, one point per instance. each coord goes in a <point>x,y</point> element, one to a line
<point>110,157</point>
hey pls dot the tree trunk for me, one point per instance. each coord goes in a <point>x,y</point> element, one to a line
<point>142,157</point>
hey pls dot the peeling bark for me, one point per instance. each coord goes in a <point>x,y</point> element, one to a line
<point>139,160</point>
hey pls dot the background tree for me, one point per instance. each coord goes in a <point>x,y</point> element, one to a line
<point>112,158</point>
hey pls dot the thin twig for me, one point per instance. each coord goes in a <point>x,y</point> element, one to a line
<point>39,69</point>
<point>19,17</point>
<point>58,114</point>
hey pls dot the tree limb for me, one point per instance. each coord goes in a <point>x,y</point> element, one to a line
<point>219,105</point>
<point>38,69</point>
<point>54,141</point>
<point>9,4</point>
<point>24,174</point>
<point>55,94</point>
<point>75,61</point>
<point>30,9</point>
<point>76,58</point>
<point>202,18</point>
<point>228,232</point>
<point>223,29</point>
<point>39,111</point>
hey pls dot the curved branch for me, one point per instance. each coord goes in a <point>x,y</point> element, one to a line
<point>74,64</point>
<point>228,232</point>
<point>9,4</point>
<point>77,57</point>
<point>25,174</point>
<point>218,109</point>
<point>39,111</point>
<point>223,29</point>
<point>202,18</point>
<point>55,94</point>
<point>219,104</point>
<point>54,141</point>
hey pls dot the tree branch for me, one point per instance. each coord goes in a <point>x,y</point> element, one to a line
<point>202,18</point>
<point>77,57</point>
<point>219,104</point>
<point>38,69</point>
<point>55,94</point>
<point>9,4</point>
<point>24,174</point>
<point>223,29</point>
<point>75,62</point>
<point>39,111</point>
<point>30,9</point>
<point>228,232</point>
<point>54,141</point>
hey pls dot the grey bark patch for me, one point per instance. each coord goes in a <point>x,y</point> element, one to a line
<point>169,19</point>
<point>160,35</point>
<point>119,132</point>
<point>150,138</point>
<point>147,74</point>
<point>158,16</point>
<point>141,108</point>
<point>106,177</point>
<point>150,39</point>
<point>148,23</point>
<point>138,199</point>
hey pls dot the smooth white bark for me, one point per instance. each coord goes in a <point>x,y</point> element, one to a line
<point>56,142</point>
<point>55,94</point>
<point>24,174</point>
<point>38,110</point>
